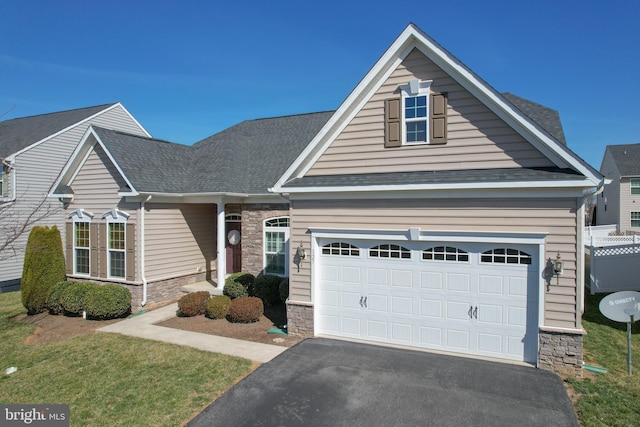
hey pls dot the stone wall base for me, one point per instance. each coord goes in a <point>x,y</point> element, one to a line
<point>561,352</point>
<point>300,319</point>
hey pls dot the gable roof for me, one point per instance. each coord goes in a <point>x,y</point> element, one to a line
<point>626,157</point>
<point>17,134</point>
<point>247,158</point>
<point>521,116</point>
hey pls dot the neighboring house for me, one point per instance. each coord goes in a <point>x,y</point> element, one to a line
<point>33,151</point>
<point>426,212</point>
<point>619,202</point>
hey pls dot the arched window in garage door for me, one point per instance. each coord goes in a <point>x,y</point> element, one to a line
<point>505,256</point>
<point>340,249</point>
<point>389,251</point>
<point>445,253</point>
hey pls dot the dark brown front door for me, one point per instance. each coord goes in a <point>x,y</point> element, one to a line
<point>234,247</point>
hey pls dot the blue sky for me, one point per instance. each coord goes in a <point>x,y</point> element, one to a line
<point>189,69</point>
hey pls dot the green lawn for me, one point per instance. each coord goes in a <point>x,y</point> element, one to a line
<point>612,399</point>
<point>108,379</point>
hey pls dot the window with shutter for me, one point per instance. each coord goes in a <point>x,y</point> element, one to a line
<point>419,116</point>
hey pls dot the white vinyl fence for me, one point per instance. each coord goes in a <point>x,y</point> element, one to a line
<point>615,263</point>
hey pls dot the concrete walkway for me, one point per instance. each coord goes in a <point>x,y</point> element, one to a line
<point>143,326</point>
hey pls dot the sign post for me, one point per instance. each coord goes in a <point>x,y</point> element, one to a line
<point>622,307</point>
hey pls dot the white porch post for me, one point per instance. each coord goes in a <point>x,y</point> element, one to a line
<point>221,241</point>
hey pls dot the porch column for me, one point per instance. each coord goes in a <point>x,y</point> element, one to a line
<point>221,263</point>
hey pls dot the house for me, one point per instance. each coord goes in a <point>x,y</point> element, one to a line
<point>33,151</point>
<point>427,211</point>
<point>619,202</point>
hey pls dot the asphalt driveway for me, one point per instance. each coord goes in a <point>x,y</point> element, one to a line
<point>322,382</point>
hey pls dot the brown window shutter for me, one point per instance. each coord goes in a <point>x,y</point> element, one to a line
<point>438,126</point>
<point>69,247</point>
<point>392,122</point>
<point>93,249</point>
<point>130,245</point>
<point>102,251</point>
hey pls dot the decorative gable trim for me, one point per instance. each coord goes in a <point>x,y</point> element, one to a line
<point>412,37</point>
<point>79,158</point>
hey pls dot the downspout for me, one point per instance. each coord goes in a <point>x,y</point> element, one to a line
<point>142,271</point>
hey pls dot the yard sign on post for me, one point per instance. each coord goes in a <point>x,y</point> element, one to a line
<point>622,307</point>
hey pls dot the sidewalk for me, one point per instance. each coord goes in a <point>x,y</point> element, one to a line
<point>143,326</point>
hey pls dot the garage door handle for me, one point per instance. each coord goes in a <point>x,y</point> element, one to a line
<point>470,313</point>
<point>361,298</point>
<point>365,302</point>
<point>475,312</point>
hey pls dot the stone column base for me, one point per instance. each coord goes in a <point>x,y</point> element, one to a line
<point>300,319</point>
<point>561,352</point>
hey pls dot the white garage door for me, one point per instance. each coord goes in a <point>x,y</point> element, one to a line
<point>472,298</point>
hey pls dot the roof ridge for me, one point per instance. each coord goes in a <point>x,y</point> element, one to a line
<point>289,115</point>
<point>59,112</point>
<point>133,135</point>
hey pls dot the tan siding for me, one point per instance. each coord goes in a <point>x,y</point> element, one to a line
<point>611,195</point>
<point>476,137</point>
<point>37,169</point>
<point>179,240</point>
<point>557,217</point>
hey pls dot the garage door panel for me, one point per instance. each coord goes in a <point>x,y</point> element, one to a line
<point>458,282</point>
<point>431,337</point>
<point>457,311</point>
<point>402,306</point>
<point>402,278</point>
<point>490,314</point>
<point>377,277</point>
<point>432,280</point>
<point>518,286</point>
<point>351,275</point>
<point>401,332</point>
<point>377,303</point>
<point>330,323</point>
<point>351,300</point>
<point>431,308</point>
<point>517,316</point>
<point>490,343</point>
<point>329,273</point>
<point>458,339</point>
<point>377,329</point>
<point>351,326</point>
<point>491,285</point>
<point>330,298</point>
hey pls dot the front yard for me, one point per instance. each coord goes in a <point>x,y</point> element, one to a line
<point>108,379</point>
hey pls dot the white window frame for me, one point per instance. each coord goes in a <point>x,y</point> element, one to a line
<point>631,219</point>
<point>116,216</point>
<point>286,235</point>
<point>81,217</point>
<point>637,186</point>
<point>416,88</point>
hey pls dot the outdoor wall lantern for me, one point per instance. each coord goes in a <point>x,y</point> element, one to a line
<point>300,253</point>
<point>558,266</point>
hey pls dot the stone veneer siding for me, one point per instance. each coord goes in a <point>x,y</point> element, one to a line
<point>561,353</point>
<point>300,319</point>
<point>253,216</point>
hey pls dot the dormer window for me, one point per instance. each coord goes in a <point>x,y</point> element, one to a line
<point>415,109</point>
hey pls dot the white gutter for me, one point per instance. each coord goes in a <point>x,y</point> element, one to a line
<point>142,272</point>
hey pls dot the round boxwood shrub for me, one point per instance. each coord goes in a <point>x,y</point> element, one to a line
<point>43,267</point>
<point>193,304</point>
<point>107,302</point>
<point>53,299</point>
<point>218,307</point>
<point>72,297</point>
<point>245,279</point>
<point>245,310</point>
<point>234,290</point>
<point>267,288</point>
<point>284,289</point>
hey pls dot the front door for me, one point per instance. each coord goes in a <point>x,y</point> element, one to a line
<point>234,247</point>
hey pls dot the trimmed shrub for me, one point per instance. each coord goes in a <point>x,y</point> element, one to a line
<point>107,302</point>
<point>43,267</point>
<point>218,307</point>
<point>284,289</point>
<point>53,299</point>
<point>73,296</point>
<point>234,290</point>
<point>245,279</point>
<point>267,288</point>
<point>194,303</point>
<point>245,310</point>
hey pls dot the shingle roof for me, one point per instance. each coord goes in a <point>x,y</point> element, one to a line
<point>16,134</point>
<point>547,118</point>
<point>626,158</point>
<point>437,177</point>
<point>246,158</point>
<point>150,164</point>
